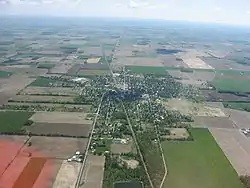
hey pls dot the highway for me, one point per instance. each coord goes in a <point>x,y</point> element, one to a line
<point>78,181</point>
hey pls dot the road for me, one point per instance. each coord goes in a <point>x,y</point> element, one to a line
<point>78,181</point>
<point>129,123</point>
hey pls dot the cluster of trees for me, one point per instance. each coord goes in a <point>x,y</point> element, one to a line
<point>115,171</point>
<point>152,155</point>
<point>245,180</point>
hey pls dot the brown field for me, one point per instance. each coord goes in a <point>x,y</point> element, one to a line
<point>196,63</point>
<point>93,172</point>
<point>236,147</point>
<point>141,61</point>
<point>93,60</point>
<point>58,107</point>
<point>39,98</point>
<point>212,95</point>
<point>240,118</point>
<point>194,109</point>
<point>61,68</point>
<point>11,86</point>
<point>177,133</point>
<point>48,90</point>
<point>56,147</point>
<point>170,61</point>
<point>213,122</point>
<point>60,128</point>
<point>30,173</point>
<point>83,72</point>
<point>74,69</point>
<point>122,148</point>
<point>61,117</point>
<point>67,175</point>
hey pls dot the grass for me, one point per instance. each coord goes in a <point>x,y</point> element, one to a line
<point>43,82</point>
<point>231,84</point>
<point>147,70</point>
<point>45,65</point>
<point>198,163</point>
<point>5,74</point>
<point>12,122</point>
<point>237,105</point>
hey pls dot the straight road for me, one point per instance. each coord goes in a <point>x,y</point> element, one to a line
<point>78,181</point>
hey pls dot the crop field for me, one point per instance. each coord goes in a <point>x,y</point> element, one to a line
<point>61,117</point>
<point>231,84</point>
<point>89,72</point>
<point>60,129</point>
<point>240,118</point>
<point>43,82</point>
<point>63,91</point>
<point>51,147</point>
<point>194,109</point>
<point>41,99</point>
<point>236,147</point>
<point>67,175</point>
<point>122,148</point>
<point>5,74</point>
<point>93,172</point>
<point>213,122</point>
<point>46,107</point>
<point>198,163</point>
<point>147,70</point>
<point>61,68</point>
<point>237,105</point>
<point>12,122</point>
<point>45,65</point>
<point>30,173</point>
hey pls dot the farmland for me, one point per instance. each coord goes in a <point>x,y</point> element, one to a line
<point>5,74</point>
<point>231,85</point>
<point>200,163</point>
<point>13,122</point>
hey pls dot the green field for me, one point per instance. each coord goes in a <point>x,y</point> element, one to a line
<point>198,164</point>
<point>45,65</point>
<point>237,105</point>
<point>12,122</point>
<point>5,74</point>
<point>42,82</point>
<point>147,70</point>
<point>231,84</point>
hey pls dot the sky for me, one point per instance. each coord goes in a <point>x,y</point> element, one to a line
<point>235,12</point>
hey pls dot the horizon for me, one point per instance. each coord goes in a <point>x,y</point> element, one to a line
<point>219,11</point>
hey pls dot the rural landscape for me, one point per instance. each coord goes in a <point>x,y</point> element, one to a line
<point>105,103</point>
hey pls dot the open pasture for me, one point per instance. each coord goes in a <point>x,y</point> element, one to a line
<point>64,129</point>
<point>13,122</point>
<point>61,117</point>
<point>93,172</point>
<point>41,99</point>
<point>236,147</point>
<point>198,163</point>
<point>55,147</point>
<point>231,84</point>
<point>213,122</point>
<point>194,109</point>
<point>48,91</point>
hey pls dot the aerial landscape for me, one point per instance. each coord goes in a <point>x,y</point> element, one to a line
<point>109,103</point>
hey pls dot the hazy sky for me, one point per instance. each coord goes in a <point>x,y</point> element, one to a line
<point>225,11</point>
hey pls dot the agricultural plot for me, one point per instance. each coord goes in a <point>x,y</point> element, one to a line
<point>141,61</point>
<point>198,163</point>
<point>61,68</point>
<point>146,70</point>
<point>63,129</point>
<point>63,91</point>
<point>231,85</point>
<point>45,65</point>
<point>240,118</point>
<point>194,109</point>
<point>61,117</point>
<point>51,147</point>
<point>13,122</point>
<point>67,175</point>
<point>93,172</point>
<point>5,74</point>
<point>89,72</point>
<point>177,133</point>
<point>42,99</point>
<point>117,148</point>
<point>43,82</point>
<point>213,122</point>
<point>172,61</point>
<point>237,105</point>
<point>236,147</point>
